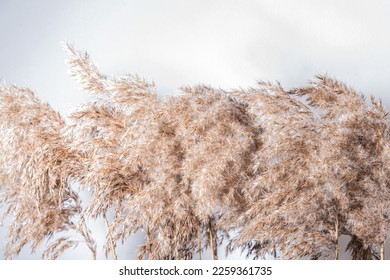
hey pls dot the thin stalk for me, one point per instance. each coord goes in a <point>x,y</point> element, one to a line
<point>382,251</point>
<point>211,241</point>
<point>148,239</point>
<point>337,239</point>
<point>148,233</point>
<point>81,227</point>
<point>110,241</point>
<point>199,244</point>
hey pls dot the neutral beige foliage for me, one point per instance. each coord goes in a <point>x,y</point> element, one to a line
<point>267,169</point>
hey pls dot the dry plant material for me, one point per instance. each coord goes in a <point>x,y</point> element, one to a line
<point>323,173</point>
<point>35,172</point>
<point>269,170</point>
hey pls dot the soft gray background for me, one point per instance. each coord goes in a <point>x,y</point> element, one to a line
<point>221,43</point>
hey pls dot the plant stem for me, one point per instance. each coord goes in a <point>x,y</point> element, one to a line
<point>148,239</point>
<point>382,250</point>
<point>211,241</point>
<point>199,243</point>
<point>337,238</point>
<point>110,241</point>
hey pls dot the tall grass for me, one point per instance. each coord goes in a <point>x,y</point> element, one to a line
<point>288,171</point>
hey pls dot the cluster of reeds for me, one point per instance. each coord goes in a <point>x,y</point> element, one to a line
<point>265,169</point>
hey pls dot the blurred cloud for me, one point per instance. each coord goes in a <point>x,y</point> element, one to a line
<point>221,43</point>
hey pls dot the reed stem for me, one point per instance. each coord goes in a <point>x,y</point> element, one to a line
<point>110,241</point>
<point>337,249</point>
<point>211,241</point>
<point>382,250</point>
<point>199,244</point>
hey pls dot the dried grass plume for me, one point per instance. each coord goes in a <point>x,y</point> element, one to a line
<point>265,169</point>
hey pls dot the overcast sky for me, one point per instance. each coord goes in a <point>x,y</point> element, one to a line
<point>174,43</point>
